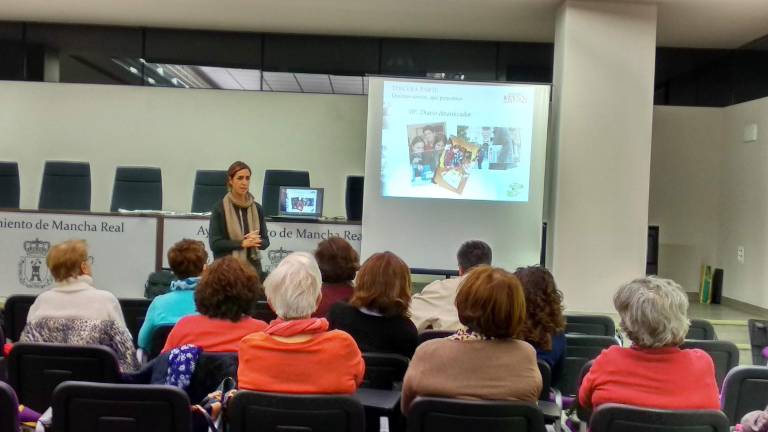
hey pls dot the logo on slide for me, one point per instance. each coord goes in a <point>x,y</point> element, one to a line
<point>512,98</point>
<point>33,273</point>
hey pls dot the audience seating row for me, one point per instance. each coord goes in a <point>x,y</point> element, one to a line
<point>67,186</point>
<point>17,307</point>
<point>602,325</point>
<point>81,405</point>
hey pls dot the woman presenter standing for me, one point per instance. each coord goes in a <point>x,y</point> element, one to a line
<point>237,222</point>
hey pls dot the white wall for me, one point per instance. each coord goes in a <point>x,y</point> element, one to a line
<point>744,204</point>
<point>180,131</point>
<point>686,168</point>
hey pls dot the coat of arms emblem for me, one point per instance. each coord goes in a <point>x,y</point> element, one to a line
<point>33,271</point>
<point>277,255</point>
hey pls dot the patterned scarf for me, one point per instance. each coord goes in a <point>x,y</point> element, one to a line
<point>181,365</point>
<point>468,335</point>
<point>280,327</point>
<point>232,218</point>
<point>187,284</point>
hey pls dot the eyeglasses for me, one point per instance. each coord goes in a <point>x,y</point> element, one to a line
<point>89,260</point>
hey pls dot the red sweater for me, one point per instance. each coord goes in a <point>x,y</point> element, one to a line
<point>332,294</point>
<point>212,335</point>
<point>327,363</point>
<point>659,378</point>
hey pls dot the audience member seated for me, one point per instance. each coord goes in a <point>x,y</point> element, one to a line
<point>485,361</point>
<point>377,314</point>
<point>227,290</point>
<point>296,353</point>
<point>654,372</point>
<point>544,325</point>
<point>187,259</point>
<point>338,262</point>
<point>434,307</point>
<point>74,312</point>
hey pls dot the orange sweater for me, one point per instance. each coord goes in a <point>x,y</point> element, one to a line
<point>328,363</point>
<point>210,334</point>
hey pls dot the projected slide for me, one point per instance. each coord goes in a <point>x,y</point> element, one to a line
<point>456,141</point>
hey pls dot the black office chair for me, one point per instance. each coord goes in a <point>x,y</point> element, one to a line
<point>758,339</point>
<point>579,350</point>
<point>273,179</point>
<point>429,414</point>
<point>134,312</point>
<point>724,354</point>
<point>269,412</point>
<point>9,409</point>
<point>624,418</point>
<point>137,188</point>
<point>159,337</point>
<point>354,197</point>
<point>745,389</point>
<point>433,334</point>
<point>66,186</point>
<point>701,330</point>
<point>35,369</point>
<point>583,413</point>
<point>596,325</point>
<point>262,311</point>
<point>15,314</point>
<point>85,406</point>
<point>10,191</point>
<point>384,371</point>
<point>210,188</point>
<point>546,380</point>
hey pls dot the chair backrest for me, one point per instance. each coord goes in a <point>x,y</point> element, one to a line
<point>9,409</point>
<point>701,330</point>
<point>583,412</point>
<point>596,325</point>
<point>66,186</point>
<point>267,412</point>
<point>384,371</point>
<point>210,371</point>
<point>86,406</point>
<point>758,339</point>
<point>624,418</point>
<point>273,179</point>
<point>15,314</point>
<point>210,188</point>
<point>137,188</point>
<point>159,337</point>
<point>724,354</point>
<point>453,415</point>
<point>745,389</point>
<point>10,191</point>
<point>433,334</point>
<point>134,312</point>
<point>354,197</point>
<point>546,379</point>
<point>35,369</point>
<point>579,350</point>
<point>262,311</point>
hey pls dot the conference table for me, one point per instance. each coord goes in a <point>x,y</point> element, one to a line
<point>126,247</point>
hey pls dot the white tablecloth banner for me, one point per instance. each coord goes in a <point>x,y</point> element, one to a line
<point>284,236</point>
<point>122,248</point>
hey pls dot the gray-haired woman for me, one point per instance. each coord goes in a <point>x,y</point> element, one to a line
<point>297,353</point>
<point>654,372</point>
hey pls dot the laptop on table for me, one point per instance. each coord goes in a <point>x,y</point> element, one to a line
<point>301,203</point>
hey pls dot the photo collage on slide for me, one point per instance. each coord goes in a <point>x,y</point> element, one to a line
<point>448,159</point>
<point>298,201</point>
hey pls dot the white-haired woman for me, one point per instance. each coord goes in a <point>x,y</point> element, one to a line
<point>654,372</point>
<point>297,353</point>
